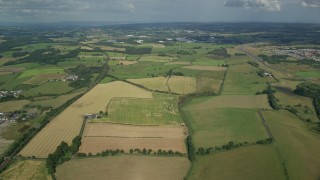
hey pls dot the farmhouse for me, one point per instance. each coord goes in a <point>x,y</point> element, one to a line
<point>90,116</point>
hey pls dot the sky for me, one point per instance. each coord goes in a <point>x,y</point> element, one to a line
<point>46,11</point>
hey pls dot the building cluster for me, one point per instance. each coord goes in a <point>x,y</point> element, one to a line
<point>67,78</point>
<point>15,94</point>
<point>17,115</point>
<point>300,54</point>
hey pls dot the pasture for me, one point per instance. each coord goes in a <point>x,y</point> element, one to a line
<point>98,137</point>
<point>206,84</point>
<point>297,145</point>
<point>308,74</point>
<point>162,109</point>
<point>55,102</point>
<point>26,170</point>
<point>42,78</point>
<point>124,167</point>
<point>250,162</point>
<point>49,88</point>
<point>34,72</point>
<point>69,122</point>
<point>15,105</point>
<point>205,68</point>
<point>155,58</point>
<point>217,126</point>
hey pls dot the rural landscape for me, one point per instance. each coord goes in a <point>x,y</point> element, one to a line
<point>160,101</point>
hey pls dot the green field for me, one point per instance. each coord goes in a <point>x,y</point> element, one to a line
<point>243,79</point>
<point>55,101</point>
<point>251,162</point>
<point>161,109</point>
<point>75,63</point>
<point>217,126</point>
<point>308,74</point>
<point>44,70</point>
<point>298,146</point>
<point>13,105</point>
<point>209,62</point>
<point>49,88</point>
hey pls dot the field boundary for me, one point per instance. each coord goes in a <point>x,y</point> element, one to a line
<point>265,125</point>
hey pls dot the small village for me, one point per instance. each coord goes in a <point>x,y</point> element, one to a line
<point>300,54</point>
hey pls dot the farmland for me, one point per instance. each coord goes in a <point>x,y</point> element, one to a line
<point>26,169</point>
<point>100,136</point>
<point>255,162</point>
<point>162,109</point>
<point>92,102</point>
<point>175,84</point>
<point>160,101</point>
<point>136,167</point>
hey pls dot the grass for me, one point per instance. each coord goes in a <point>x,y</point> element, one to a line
<point>75,63</point>
<point>243,79</point>
<point>49,88</point>
<point>56,101</point>
<point>217,126</point>
<point>44,70</point>
<point>13,105</point>
<point>42,78</point>
<point>206,84</point>
<point>250,162</point>
<point>297,145</point>
<point>162,109</point>
<point>308,74</point>
<point>135,167</point>
<point>27,169</point>
<point>209,63</point>
<point>155,58</point>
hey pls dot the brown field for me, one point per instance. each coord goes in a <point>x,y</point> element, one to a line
<point>42,78</point>
<point>205,68</point>
<point>236,101</point>
<point>98,137</point>
<point>109,48</point>
<point>5,73</point>
<point>125,167</point>
<point>13,105</point>
<point>178,63</point>
<point>67,125</point>
<point>26,170</point>
<point>128,62</point>
<point>11,69</point>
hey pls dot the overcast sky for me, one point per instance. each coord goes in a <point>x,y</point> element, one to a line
<point>160,10</point>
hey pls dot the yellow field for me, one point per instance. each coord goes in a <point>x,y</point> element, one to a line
<point>236,101</point>
<point>127,62</point>
<point>156,83</point>
<point>98,137</point>
<point>205,68</point>
<point>124,168</point>
<point>13,105</point>
<point>176,84</point>
<point>182,84</point>
<point>67,125</point>
<point>26,170</point>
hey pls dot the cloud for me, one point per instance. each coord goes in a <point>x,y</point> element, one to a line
<point>311,3</point>
<point>269,5</point>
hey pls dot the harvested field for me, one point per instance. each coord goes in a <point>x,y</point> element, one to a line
<point>13,105</point>
<point>42,78</point>
<point>182,84</point>
<point>236,101</point>
<point>26,170</point>
<point>69,122</point>
<point>124,167</point>
<point>205,68</point>
<point>98,137</point>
